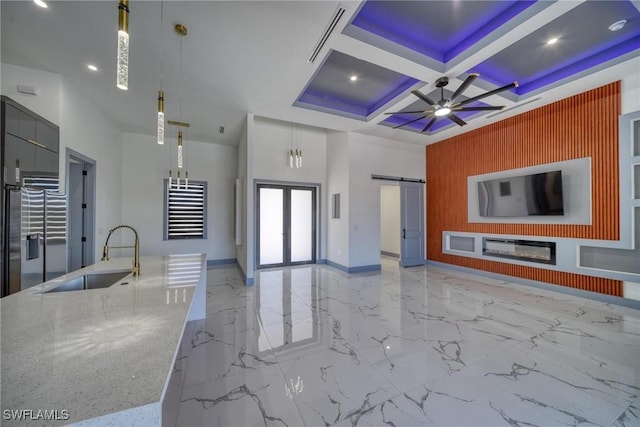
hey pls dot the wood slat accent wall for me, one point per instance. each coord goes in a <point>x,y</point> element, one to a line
<point>585,125</point>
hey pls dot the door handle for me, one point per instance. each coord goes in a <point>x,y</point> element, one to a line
<point>404,233</point>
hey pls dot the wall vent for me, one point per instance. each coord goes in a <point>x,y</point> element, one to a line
<point>28,90</point>
<point>335,18</point>
<point>513,108</point>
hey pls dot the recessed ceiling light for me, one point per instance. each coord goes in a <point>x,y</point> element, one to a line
<point>552,41</point>
<point>353,78</point>
<point>41,3</point>
<point>617,26</point>
<point>92,67</point>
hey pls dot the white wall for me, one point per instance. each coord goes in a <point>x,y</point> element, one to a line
<point>372,155</point>
<point>86,130</point>
<point>338,183</point>
<point>270,147</point>
<point>390,219</point>
<point>83,128</point>
<point>145,165</point>
<point>47,103</point>
<point>630,88</point>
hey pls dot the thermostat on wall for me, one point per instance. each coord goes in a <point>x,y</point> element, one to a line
<point>29,90</point>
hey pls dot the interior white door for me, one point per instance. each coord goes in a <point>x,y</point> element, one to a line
<point>271,214</point>
<point>301,225</point>
<point>412,224</point>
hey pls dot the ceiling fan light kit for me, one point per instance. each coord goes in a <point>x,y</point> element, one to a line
<point>448,107</point>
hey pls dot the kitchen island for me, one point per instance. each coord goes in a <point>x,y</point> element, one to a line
<point>98,356</point>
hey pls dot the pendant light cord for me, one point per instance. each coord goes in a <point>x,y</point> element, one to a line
<point>181,77</point>
<point>161,40</point>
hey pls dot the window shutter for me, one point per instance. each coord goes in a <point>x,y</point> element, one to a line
<point>186,211</point>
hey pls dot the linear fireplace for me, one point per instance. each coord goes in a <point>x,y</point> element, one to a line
<point>525,250</point>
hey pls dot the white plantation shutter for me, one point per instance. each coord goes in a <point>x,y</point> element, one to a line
<point>186,210</point>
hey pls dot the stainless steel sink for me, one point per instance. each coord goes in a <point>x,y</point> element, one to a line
<point>90,281</point>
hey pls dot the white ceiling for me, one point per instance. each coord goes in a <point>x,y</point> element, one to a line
<point>239,57</point>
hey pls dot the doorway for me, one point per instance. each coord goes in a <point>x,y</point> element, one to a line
<point>81,192</point>
<point>286,225</point>
<point>390,228</point>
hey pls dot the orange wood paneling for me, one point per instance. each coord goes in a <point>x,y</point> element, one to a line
<point>585,125</point>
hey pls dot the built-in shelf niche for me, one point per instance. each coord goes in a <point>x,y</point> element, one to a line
<point>462,243</point>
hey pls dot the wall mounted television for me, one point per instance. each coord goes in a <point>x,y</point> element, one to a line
<point>521,196</point>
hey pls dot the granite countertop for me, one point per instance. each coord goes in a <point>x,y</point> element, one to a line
<point>99,351</point>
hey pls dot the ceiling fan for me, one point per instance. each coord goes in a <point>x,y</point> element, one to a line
<point>448,107</point>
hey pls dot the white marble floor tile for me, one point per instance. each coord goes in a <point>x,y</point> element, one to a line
<point>552,389</point>
<point>229,350</point>
<point>256,398</point>
<point>314,346</point>
<point>330,387</point>
<point>630,417</point>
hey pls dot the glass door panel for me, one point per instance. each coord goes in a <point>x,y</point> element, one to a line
<point>301,225</point>
<point>271,226</point>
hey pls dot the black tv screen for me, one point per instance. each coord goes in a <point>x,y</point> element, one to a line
<point>520,196</point>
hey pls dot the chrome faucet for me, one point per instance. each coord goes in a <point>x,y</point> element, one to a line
<point>136,246</point>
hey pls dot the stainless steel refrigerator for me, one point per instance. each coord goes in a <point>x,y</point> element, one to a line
<point>35,243</point>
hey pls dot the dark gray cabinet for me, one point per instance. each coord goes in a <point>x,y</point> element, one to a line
<point>18,153</point>
<point>19,123</point>
<point>47,136</point>
<point>29,148</point>
<point>29,142</point>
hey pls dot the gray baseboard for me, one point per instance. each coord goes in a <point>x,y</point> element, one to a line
<point>391,254</point>
<point>358,269</point>
<point>609,299</point>
<point>217,262</point>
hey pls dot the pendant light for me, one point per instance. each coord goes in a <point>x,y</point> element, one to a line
<point>298,149</point>
<point>160,124</point>
<point>295,155</point>
<point>291,154</point>
<point>122,78</point>
<point>181,30</point>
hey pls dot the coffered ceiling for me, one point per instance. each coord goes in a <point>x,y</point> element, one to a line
<point>251,57</point>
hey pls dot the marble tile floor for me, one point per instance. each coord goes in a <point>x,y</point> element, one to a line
<point>422,346</point>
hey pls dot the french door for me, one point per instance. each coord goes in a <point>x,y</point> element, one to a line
<point>286,225</point>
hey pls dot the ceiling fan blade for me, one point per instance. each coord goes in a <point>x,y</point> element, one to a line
<point>467,82</point>
<point>487,108</point>
<point>424,97</point>
<point>409,122</point>
<point>491,92</point>
<point>428,126</point>
<point>407,112</point>
<point>456,119</point>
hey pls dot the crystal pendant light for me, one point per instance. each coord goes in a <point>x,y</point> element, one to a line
<point>161,117</point>
<point>179,150</point>
<point>122,80</point>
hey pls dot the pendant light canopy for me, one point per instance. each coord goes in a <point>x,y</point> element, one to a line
<point>122,78</point>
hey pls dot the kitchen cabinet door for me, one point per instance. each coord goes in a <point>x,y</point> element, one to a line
<point>46,161</point>
<point>18,153</point>
<point>19,123</point>
<point>47,136</point>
